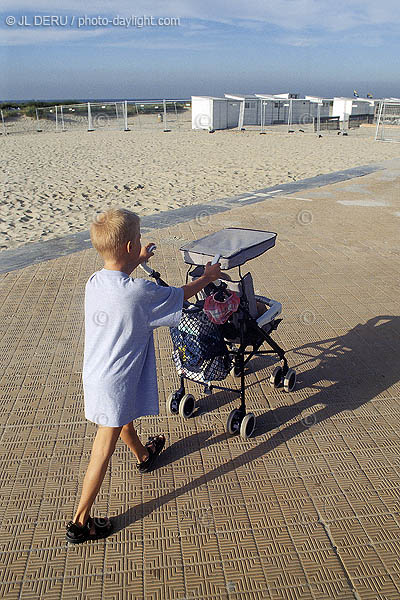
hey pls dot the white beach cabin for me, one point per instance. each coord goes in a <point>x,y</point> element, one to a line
<point>277,108</point>
<point>346,107</point>
<point>210,112</point>
<point>250,108</point>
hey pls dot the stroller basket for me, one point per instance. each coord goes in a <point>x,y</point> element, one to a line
<point>200,352</point>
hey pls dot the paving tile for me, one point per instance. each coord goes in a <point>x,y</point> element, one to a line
<point>11,589</point>
<point>378,587</point>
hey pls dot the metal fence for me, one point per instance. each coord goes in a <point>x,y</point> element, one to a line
<point>273,116</point>
<point>357,120</point>
<point>91,116</point>
<point>14,122</point>
<point>388,121</point>
<point>164,115</point>
<point>326,124</point>
<point>299,116</point>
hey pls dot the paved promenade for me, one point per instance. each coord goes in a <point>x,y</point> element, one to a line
<point>307,509</point>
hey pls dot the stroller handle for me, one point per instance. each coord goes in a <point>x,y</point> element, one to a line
<point>144,266</point>
<point>152,272</point>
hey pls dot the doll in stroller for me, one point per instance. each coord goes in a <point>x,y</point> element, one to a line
<point>214,333</point>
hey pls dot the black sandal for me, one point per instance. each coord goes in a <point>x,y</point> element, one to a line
<point>158,443</point>
<point>77,534</point>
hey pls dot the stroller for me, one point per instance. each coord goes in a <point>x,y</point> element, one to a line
<point>205,351</point>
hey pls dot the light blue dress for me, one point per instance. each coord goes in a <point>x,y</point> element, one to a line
<point>119,366</point>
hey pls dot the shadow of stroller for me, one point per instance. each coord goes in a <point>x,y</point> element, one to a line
<point>349,371</point>
<point>355,367</point>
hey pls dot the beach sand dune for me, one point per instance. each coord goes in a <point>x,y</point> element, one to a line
<point>53,183</point>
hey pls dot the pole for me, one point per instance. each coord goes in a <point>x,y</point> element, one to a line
<point>62,118</point>
<point>290,114</point>
<point>90,124</point>
<point>37,121</point>
<point>241,114</point>
<point>262,132</point>
<point>165,116</point>
<point>2,120</point>
<point>383,119</point>
<point>318,118</point>
<point>126,115</point>
<point>56,107</point>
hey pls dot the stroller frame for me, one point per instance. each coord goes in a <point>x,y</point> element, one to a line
<point>252,332</point>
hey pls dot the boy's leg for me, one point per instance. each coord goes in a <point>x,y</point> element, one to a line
<point>130,437</point>
<point>102,450</point>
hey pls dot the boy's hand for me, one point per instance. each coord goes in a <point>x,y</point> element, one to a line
<point>145,254</point>
<point>212,272</point>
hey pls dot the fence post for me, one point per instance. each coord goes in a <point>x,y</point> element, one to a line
<point>90,124</point>
<point>126,116</point>
<point>380,107</point>
<point>2,120</point>
<point>290,114</point>
<point>56,107</point>
<point>383,117</point>
<point>165,116</point>
<point>62,118</point>
<point>37,121</point>
<point>262,117</point>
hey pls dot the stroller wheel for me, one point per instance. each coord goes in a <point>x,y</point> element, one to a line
<point>290,380</point>
<point>234,421</point>
<point>187,406</point>
<point>173,403</point>
<point>247,425</point>
<point>276,377</point>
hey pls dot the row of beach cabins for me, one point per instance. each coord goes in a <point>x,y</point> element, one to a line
<point>239,111</point>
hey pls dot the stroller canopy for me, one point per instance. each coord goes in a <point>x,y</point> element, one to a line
<point>236,246</point>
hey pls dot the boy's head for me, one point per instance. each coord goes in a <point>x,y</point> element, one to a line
<point>111,230</point>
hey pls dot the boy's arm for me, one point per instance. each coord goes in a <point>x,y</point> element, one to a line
<point>211,273</point>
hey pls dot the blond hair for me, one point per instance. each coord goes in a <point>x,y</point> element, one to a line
<point>112,229</point>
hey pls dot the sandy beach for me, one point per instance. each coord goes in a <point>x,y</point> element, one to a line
<point>53,183</point>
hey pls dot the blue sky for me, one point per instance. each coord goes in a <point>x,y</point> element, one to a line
<point>308,46</point>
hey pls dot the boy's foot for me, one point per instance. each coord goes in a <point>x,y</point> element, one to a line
<point>94,529</point>
<point>154,446</point>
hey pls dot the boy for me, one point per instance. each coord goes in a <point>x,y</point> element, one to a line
<point>119,370</point>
